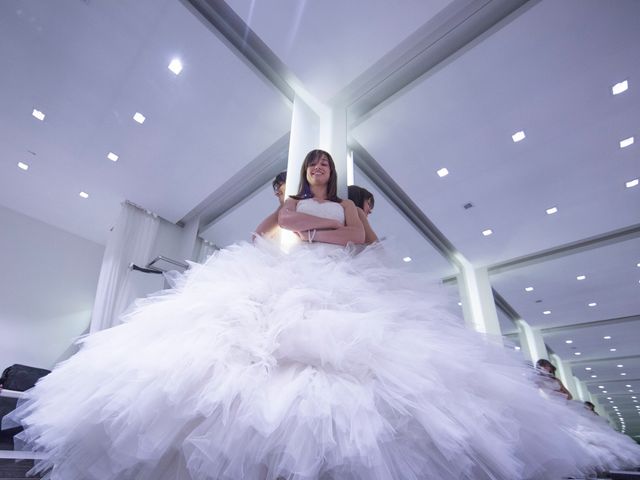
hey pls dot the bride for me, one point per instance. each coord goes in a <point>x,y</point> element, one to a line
<point>315,364</point>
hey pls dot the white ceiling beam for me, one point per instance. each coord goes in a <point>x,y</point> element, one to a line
<point>595,323</point>
<point>241,185</point>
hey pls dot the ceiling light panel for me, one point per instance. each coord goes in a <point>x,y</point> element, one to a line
<point>627,142</point>
<point>620,87</point>
<point>518,136</point>
<point>140,118</point>
<point>38,114</point>
<point>175,66</point>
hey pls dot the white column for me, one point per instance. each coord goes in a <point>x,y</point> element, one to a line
<point>478,305</point>
<point>582,391</point>
<point>333,139</point>
<point>304,137</point>
<point>532,338</point>
<point>565,374</point>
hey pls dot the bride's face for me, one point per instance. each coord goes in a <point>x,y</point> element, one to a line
<point>319,171</point>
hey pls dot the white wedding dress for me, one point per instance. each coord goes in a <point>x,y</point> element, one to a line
<point>319,363</point>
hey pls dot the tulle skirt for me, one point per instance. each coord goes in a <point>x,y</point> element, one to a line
<point>315,364</point>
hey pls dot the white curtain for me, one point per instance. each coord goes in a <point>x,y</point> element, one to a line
<point>131,241</point>
<point>204,249</point>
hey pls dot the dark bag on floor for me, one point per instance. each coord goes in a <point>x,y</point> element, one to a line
<point>21,377</point>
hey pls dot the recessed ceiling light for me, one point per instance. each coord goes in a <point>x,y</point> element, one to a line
<point>547,312</point>
<point>38,114</point>
<point>140,118</point>
<point>604,391</point>
<point>84,194</point>
<point>577,353</point>
<point>609,398</point>
<point>632,183</point>
<point>516,347</point>
<point>487,232</point>
<point>638,265</point>
<point>581,277</point>
<point>568,341</point>
<point>626,142</point>
<point>23,166</point>
<point>443,172</point>
<point>600,386</point>
<point>594,376</point>
<point>112,156</point>
<point>607,337</point>
<point>619,365</point>
<point>175,66</point>
<point>634,397</point>
<point>552,210</point>
<point>406,259</point>
<point>459,304</point>
<point>623,374</point>
<point>518,136</point>
<point>610,401</point>
<point>592,304</point>
<point>612,349</point>
<point>620,87</point>
<point>587,368</point>
<point>628,386</point>
<point>528,289</point>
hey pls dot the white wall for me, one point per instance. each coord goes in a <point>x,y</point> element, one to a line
<point>48,280</point>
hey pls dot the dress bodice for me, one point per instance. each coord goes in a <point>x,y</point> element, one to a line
<point>332,210</point>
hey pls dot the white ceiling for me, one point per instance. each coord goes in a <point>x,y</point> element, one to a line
<point>89,66</point>
<point>531,75</point>
<point>328,44</point>
<point>548,70</point>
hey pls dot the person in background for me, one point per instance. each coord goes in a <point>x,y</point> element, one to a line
<point>269,228</point>
<point>364,200</point>
<point>547,369</point>
<point>590,406</point>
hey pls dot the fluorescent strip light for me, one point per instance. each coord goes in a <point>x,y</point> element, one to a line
<point>23,166</point>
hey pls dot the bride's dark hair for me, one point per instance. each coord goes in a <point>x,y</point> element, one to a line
<point>304,189</point>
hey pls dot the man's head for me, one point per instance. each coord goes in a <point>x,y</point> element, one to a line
<point>279,184</point>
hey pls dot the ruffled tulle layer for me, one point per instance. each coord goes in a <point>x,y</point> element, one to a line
<point>317,364</point>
